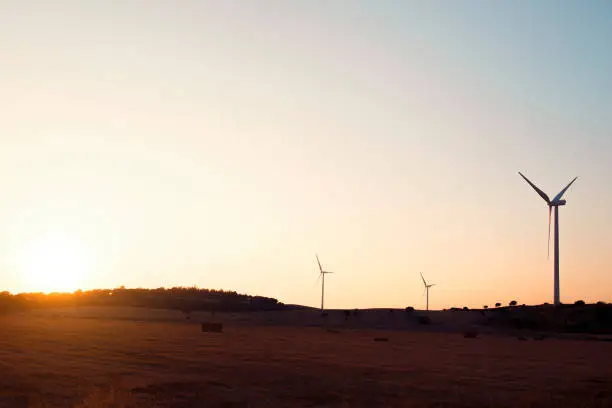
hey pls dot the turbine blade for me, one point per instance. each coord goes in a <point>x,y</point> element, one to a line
<point>549,219</point>
<point>319,262</point>
<point>424,283</point>
<point>540,192</point>
<point>318,280</point>
<point>558,196</point>
<point>424,290</point>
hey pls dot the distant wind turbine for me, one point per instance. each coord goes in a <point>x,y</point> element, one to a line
<point>322,274</point>
<point>427,286</point>
<point>556,203</point>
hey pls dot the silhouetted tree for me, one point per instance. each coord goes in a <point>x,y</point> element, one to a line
<point>512,303</point>
<point>498,304</point>
<point>465,308</point>
<point>579,303</point>
<point>410,309</point>
<point>485,307</point>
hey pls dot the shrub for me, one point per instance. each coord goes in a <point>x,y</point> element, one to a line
<point>485,307</point>
<point>579,303</point>
<point>410,309</point>
<point>498,304</point>
<point>466,308</point>
<point>512,303</point>
<point>424,320</point>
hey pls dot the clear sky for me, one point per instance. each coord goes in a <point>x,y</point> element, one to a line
<point>222,143</point>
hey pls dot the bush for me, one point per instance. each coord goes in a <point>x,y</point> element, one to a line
<point>410,309</point>
<point>424,320</point>
<point>498,304</point>
<point>466,308</point>
<point>513,303</point>
<point>485,307</point>
<point>579,303</point>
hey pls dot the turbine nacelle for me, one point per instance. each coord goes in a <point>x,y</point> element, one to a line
<point>557,203</point>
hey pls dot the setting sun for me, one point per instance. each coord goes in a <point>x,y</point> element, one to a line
<point>54,264</point>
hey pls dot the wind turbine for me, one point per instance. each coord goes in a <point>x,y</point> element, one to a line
<point>427,286</point>
<point>322,274</point>
<point>556,202</point>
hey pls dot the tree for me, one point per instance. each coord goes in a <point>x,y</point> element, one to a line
<point>485,307</point>
<point>498,304</point>
<point>579,303</point>
<point>465,308</point>
<point>513,303</point>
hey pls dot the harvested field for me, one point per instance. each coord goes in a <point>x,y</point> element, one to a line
<point>71,361</point>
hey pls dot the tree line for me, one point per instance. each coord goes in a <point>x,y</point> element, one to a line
<point>186,299</point>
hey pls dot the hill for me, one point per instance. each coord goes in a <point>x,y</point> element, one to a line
<point>185,299</point>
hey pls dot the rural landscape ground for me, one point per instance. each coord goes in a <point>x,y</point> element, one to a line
<point>131,357</point>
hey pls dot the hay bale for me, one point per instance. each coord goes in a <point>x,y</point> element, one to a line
<point>212,327</point>
<point>470,334</point>
<point>540,337</point>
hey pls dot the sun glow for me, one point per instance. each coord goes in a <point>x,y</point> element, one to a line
<point>55,263</point>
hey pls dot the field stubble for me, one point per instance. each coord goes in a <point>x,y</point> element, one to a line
<point>72,361</point>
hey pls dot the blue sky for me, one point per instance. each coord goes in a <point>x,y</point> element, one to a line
<point>223,143</point>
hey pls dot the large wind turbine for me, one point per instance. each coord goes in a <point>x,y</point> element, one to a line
<point>427,286</point>
<point>322,274</point>
<point>556,203</point>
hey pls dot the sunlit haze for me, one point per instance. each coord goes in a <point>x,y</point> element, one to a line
<point>223,144</point>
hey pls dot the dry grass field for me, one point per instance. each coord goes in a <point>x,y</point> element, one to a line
<point>68,359</point>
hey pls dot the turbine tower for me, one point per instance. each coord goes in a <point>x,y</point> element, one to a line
<point>322,274</point>
<point>427,286</point>
<point>554,203</point>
